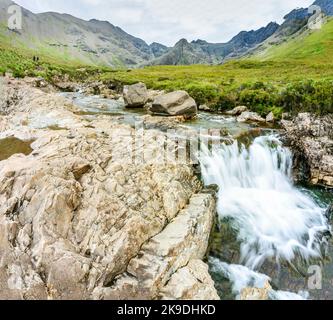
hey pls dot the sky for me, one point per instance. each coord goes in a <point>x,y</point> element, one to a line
<point>167,21</point>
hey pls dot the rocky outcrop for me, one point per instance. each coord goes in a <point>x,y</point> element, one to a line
<point>203,52</point>
<point>256,294</point>
<point>237,111</point>
<point>8,97</point>
<point>311,139</point>
<point>174,104</point>
<point>270,118</point>
<point>136,95</point>
<point>84,216</point>
<point>204,107</point>
<point>250,117</point>
<point>190,281</point>
<point>107,91</point>
<point>184,239</point>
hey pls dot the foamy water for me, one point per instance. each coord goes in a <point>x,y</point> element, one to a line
<point>242,277</point>
<point>273,219</point>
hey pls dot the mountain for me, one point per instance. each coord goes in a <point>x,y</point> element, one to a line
<point>203,52</point>
<point>245,43</point>
<point>326,6</point>
<point>294,30</point>
<point>97,42</point>
<point>183,53</point>
<point>70,38</point>
<point>158,49</point>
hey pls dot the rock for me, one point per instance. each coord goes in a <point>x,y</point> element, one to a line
<point>136,95</point>
<point>67,86</point>
<point>40,82</point>
<point>174,104</point>
<point>9,97</point>
<point>107,93</point>
<point>86,217</point>
<point>192,280</point>
<point>93,88</point>
<point>184,239</point>
<point>270,118</point>
<point>153,94</point>
<point>9,75</point>
<point>254,294</point>
<point>204,107</point>
<point>237,111</point>
<point>250,117</point>
<point>329,212</point>
<point>162,123</point>
<point>311,139</point>
<point>286,116</point>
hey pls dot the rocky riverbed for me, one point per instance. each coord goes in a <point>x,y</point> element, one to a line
<point>80,220</point>
<point>89,211</point>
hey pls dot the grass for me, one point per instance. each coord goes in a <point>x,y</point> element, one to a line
<point>226,86</point>
<point>292,77</point>
<point>20,63</point>
<point>314,46</point>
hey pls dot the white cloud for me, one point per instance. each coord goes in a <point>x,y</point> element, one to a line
<point>167,21</point>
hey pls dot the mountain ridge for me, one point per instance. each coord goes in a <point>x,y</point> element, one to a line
<point>96,42</point>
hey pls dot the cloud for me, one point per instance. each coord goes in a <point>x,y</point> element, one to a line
<point>168,21</point>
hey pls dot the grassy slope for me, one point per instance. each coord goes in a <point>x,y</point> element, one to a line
<point>19,61</point>
<point>314,47</point>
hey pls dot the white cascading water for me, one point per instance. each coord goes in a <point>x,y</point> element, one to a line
<point>241,277</point>
<point>272,217</point>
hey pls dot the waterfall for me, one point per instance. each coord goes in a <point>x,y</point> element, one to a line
<point>242,277</point>
<point>273,219</point>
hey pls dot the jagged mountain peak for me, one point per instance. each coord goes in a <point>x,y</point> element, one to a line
<point>182,42</point>
<point>158,49</point>
<point>326,6</point>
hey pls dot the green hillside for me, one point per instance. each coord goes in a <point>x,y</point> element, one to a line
<point>312,46</point>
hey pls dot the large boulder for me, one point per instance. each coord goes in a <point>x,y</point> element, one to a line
<point>250,117</point>
<point>136,95</point>
<point>174,104</point>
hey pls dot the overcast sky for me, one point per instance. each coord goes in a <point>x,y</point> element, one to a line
<point>167,21</point>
